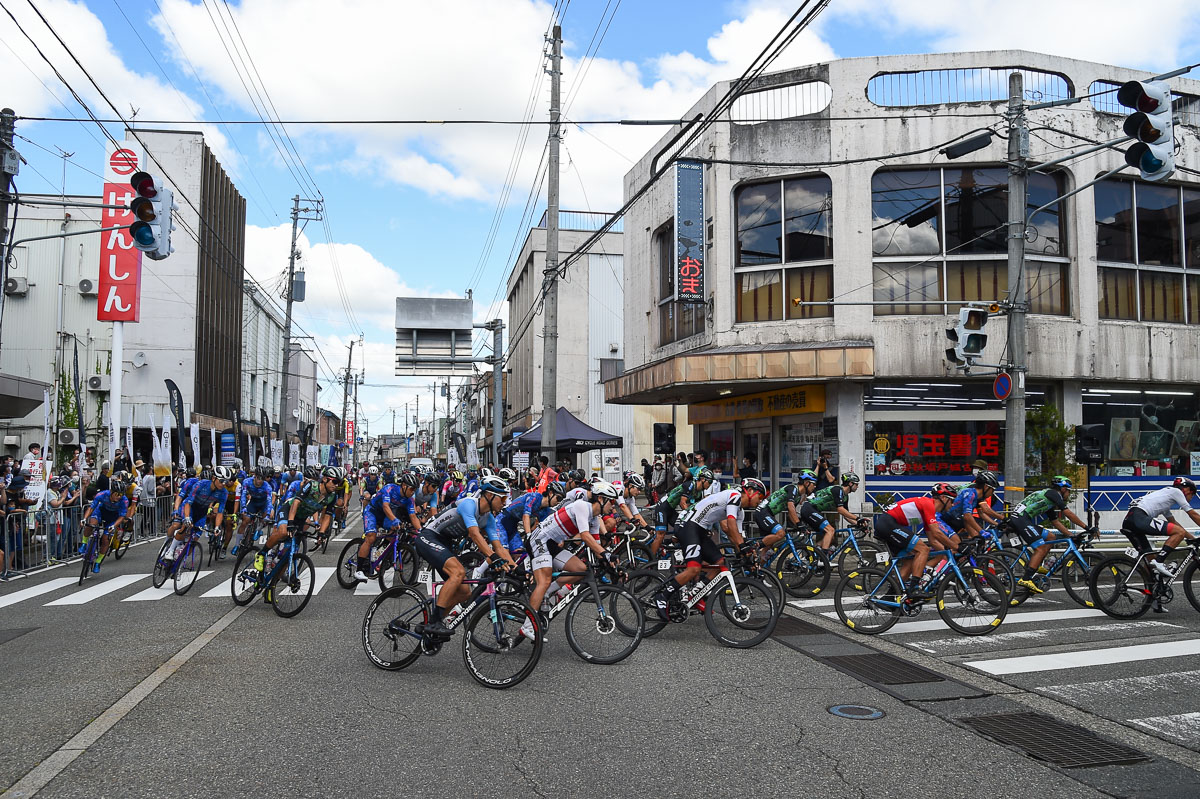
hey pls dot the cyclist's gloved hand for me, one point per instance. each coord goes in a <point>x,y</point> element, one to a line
<point>293,527</point>
<point>747,549</point>
<point>496,562</point>
<point>1092,532</point>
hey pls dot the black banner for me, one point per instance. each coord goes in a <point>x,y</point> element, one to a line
<point>689,231</point>
<point>79,404</point>
<point>265,421</point>
<point>236,417</point>
<point>176,402</point>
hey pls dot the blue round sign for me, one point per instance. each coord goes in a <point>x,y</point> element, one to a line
<point>1002,386</point>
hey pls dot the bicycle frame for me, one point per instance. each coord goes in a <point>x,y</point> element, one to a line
<point>482,588</point>
<point>588,582</point>
<point>939,574</point>
<point>1159,579</point>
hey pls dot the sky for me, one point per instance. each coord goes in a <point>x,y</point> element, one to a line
<point>435,210</point>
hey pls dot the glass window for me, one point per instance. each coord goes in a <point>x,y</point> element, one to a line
<point>1193,297</point>
<point>809,284</point>
<point>908,284</point>
<point>1157,224</point>
<point>664,253</point>
<point>1046,286</point>
<point>1118,293</point>
<point>906,209</point>
<point>759,233</point>
<point>1161,296</point>
<point>808,229</point>
<point>1114,220</point>
<point>972,281</point>
<point>760,296</point>
<point>691,319</point>
<point>717,446</point>
<point>1049,231</point>
<point>1191,229</point>
<point>976,210</point>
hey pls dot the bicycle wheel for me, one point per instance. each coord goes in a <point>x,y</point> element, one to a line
<point>162,568</point>
<point>804,573</point>
<point>387,650</point>
<point>605,626</point>
<point>864,558</point>
<point>89,555</point>
<point>1119,589</point>
<point>121,545</point>
<point>745,620</point>
<point>867,601</point>
<point>348,564</point>
<point>969,609</point>
<point>402,572</point>
<point>1191,583</point>
<point>1075,573</point>
<point>768,578</point>
<point>212,550</point>
<point>644,585</point>
<point>495,650</point>
<point>997,566</point>
<point>246,581</point>
<point>292,586</point>
<point>188,567</point>
<point>325,539</point>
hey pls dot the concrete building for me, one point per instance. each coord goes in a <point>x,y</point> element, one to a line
<point>262,353</point>
<point>842,194</point>
<point>302,390</point>
<point>591,337</point>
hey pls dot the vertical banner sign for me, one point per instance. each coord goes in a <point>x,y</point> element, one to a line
<point>195,436</point>
<point>79,403</point>
<point>129,439</point>
<point>235,416</point>
<point>293,452</point>
<point>277,453</point>
<point>313,454</point>
<point>265,421</point>
<point>213,433</point>
<point>119,297</point>
<point>350,432</point>
<point>112,436</point>
<point>155,443</point>
<point>252,464</point>
<point>689,231</point>
<point>176,401</point>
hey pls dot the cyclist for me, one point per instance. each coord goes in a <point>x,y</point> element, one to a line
<point>509,476</point>
<point>1049,504</point>
<point>473,518</point>
<point>107,509</point>
<point>723,511</point>
<point>829,498</point>
<point>789,498</point>
<point>894,527</point>
<point>972,504</point>
<point>517,521</point>
<point>370,485</point>
<point>391,505</point>
<point>388,475</point>
<point>452,488</point>
<point>232,503</point>
<point>311,498</point>
<point>1151,514</point>
<point>426,498</point>
<point>630,487</point>
<point>679,498</point>
<point>257,499</point>
<point>208,493</point>
<point>580,517</point>
<point>185,488</point>
<point>472,484</point>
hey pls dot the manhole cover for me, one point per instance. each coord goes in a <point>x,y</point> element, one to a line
<point>857,712</point>
<point>883,669</point>
<point>1054,741</point>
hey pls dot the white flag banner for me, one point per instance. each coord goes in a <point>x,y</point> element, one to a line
<point>213,431</point>
<point>253,456</point>
<point>293,452</point>
<point>112,436</point>
<point>195,434</point>
<point>313,454</point>
<point>155,443</point>
<point>37,469</point>
<point>277,453</point>
<point>129,439</point>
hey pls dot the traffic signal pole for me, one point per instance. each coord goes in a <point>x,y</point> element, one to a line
<point>1014,412</point>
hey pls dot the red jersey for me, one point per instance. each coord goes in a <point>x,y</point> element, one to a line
<point>908,512</point>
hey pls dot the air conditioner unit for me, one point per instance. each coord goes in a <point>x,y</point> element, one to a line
<point>87,287</point>
<point>98,383</point>
<point>68,437</point>
<point>16,286</point>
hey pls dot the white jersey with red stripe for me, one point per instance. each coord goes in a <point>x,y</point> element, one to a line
<point>715,508</point>
<point>620,486</point>
<point>568,521</point>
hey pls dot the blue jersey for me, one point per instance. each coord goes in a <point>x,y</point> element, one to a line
<point>472,486</point>
<point>107,509</point>
<point>509,527</point>
<point>186,487</point>
<point>389,477</point>
<point>258,499</point>
<point>452,525</point>
<point>291,490</point>
<point>390,494</point>
<point>965,502</point>
<point>203,496</point>
<point>371,483</point>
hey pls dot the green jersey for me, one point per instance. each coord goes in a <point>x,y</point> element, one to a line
<point>1046,502</point>
<point>311,501</point>
<point>829,498</point>
<point>678,492</point>
<point>778,500</point>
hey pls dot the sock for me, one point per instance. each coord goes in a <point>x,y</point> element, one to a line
<point>438,613</point>
<point>1164,552</point>
<point>364,565</point>
<point>554,588</point>
<point>1029,572</point>
<point>671,588</point>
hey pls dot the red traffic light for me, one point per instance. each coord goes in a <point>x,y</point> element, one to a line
<point>143,183</point>
<point>1146,97</point>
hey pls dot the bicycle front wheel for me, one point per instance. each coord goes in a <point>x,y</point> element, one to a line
<point>403,609</point>
<point>496,648</point>
<point>868,601</point>
<point>121,544</point>
<point>742,620</point>
<point>804,573</point>
<point>246,581</point>
<point>864,557</point>
<point>1075,575</point>
<point>644,585</point>
<point>1119,589</point>
<point>348,563</point>
<point>89,555</point>
<point>292,586</point>
<point>188,568</point>
<point>1191,583</point>
<point>973,604</point>
<point>605,626</point>
<point>162,568</point>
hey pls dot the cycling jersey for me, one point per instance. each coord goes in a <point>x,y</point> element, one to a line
<point>451,526</point>
<point>1161,502</point>
<point>258,498</point>
<point>371,483</point>
<point>388,477</point>
<point>1041,504</point>
<point>203,496</point>
<point>106,508</point>
<point>509,524</point>
<point>575,494</point>
<point>429,500</point>
<point>965,502</point>
<point>472,486</point>
<point>391,494</point>
<point>234,493</point>
<point>715,508</point>
<point>829,498</point>
<point>185,488</point>
<point>567,521</point>
<point>677,493</point>
<point>311,501</point>
<point>778,501</point>
<point>908,512</point>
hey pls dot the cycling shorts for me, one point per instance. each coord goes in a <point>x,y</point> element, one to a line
<point>372,523</point>
<point>509,536</point>
<point>898,539</point>
<point>766,521</point>
<point>1025,528</point>
<point>1137,526</point>
<point>698,545</point>
<point>547,554</point>
<point>664,517</point>
<point>954,521</point>
<point>435,551</point>
<point>255,508</point>
<point>812,517</point>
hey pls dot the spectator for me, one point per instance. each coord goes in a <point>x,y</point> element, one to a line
<point>58,492</point>
<point>120,461</point>
<point>148,497</point>
<point>546,475</point>
<point>747,469</point>
<point>647,472</point>
<point>17,503</point>
<point>827,473</point>
<point>659,475</point>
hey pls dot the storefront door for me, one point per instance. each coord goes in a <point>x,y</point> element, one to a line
<point>756,445</point>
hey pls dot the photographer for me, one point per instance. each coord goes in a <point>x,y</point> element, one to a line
<point>827,474</point>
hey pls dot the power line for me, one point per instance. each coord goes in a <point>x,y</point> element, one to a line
<point>667,123</point>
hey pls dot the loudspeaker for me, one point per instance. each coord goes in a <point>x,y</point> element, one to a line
<point>664,438</point>
<point>1089,443</point>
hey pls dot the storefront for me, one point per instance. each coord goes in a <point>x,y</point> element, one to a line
<point>1145,432</point>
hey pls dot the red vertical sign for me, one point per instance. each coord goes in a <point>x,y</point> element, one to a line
<point>119,296</point>
<point>350,432</point>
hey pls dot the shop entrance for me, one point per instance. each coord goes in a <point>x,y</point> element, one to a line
<point>756,445</point>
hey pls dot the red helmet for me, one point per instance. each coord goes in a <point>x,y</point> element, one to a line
<point>944,490</point>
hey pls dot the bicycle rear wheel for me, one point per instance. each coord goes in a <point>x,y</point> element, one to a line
<point>605,631</point>
<point>120,544</point>
<point>1075,573</point>
<point>162,568</point>
<point>495,650</point>
<point>402,572</point>
<point>1119,589</point>
<point>89,555</point>
<point>246,581</point>
<point>292,586</point>
<point>188,568</point>
<point>1191,583</point>
<point>973,604</point>
<point>348,563</point>
<point>864,558</point>
<point>644,585</point>
<point>743,621</point>
<point>804,573</point>
<point>388,650</point>
<point>867,601</point>
<point>997,566</point>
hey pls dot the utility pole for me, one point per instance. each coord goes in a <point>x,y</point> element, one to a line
<point>417,420</point>
<point>8,170</point>
<point>550,309</point>
<point>354,443</point>
<point>287,324</point>
<point>1014,417</point>
<point>393,421</point>
<point>497,388</point>
<point>346,392</point>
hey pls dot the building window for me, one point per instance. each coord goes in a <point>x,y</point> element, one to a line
<point>253,391</point>
<point>676,320</point>
<point>1148,246</point>
<point>784,240</point>
<point>939,239</point>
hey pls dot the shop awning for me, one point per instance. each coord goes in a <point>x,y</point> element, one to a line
<point>20,396</point>
<point>572,436</point>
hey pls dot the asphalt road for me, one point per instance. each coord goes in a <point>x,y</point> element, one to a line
<point>293,707</point>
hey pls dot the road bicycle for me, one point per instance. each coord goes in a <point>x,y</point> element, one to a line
<point>216,542</point>
<point>738,611</point>
<point>1072,565</point>
<point>287,581</point>
<point>501,645</point>
<point>184,567</point>
<point>122,537</point>
<point>91,550</point>
<point>258,527</point>
<point>970,600</point>
<point>801,567</point>
<point>1124,586</point>
<point>604,622</point>
<point>392,557</point>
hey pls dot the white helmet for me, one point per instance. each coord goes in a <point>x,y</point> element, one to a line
<point>604,490</point>
<point>223,473</point>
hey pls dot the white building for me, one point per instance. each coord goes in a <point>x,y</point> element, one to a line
<point>302,390</point>
<point>262,353</point>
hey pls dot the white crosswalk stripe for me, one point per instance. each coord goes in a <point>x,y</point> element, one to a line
<point>37,590</point>
<point>1011,619</point>
<point>99,590</point>
<point>323,573</point>
<point>167,589</point>
<point>221,589</point>
<point>1183,727</point>
<point>1105,656</point>
<point>369,588</point>
<point>1044,635</point>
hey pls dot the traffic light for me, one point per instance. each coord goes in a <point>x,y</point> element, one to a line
<point>1154,151</point>
<point>152,209</point>
<point>967,337</point>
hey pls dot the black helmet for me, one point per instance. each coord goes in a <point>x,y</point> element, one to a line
<point>116,486</point>
<point>409,479</point>
<point>312,472</point>
<point>987,478</point>
<point>263,471</point>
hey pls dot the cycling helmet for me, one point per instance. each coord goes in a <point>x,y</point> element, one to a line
<point>706,474</point>
<point>493,485</point>
<point>1058,481</point>
<point>849,477</point>
<point>222,473</point>
<point>237,463</point>
<point>408,479</point>
<point>262,471</point>
<point>577,476</point>
<point>293,467</point>
<point>944,490</point>
<point>312,472</point>
<point>1184,482</point>
<point>635,480</point>
<point>116,486</point>
<point>193,471</point>
<point>987,478</point>
<point>604,490</point>
<point>808,476</point>
<point>754,484</point>
<point>373,471</point>
<point>507,474</point>
<point>431,478</point>
<point>457,476</point>
<point>556,488</point>
<point>486,472</point>
<point>206,473</point>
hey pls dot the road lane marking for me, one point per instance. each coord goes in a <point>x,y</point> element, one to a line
<point>323,573</point>
<point>99,590</point>
<point>1124,688</point>
<point>151,594</point>
<point>36,590</point>
<point>1035,636</point>
<point>1181,726</point>
<point>369,588</point>
<point>1011,618</point>
<point>1087,657</point>
<point>221,589</point>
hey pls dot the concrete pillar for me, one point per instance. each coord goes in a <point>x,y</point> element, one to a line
<point>846,399</point>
